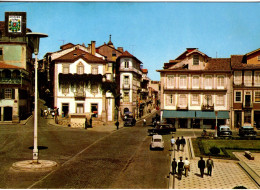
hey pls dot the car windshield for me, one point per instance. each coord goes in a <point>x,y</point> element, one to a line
<point>157,140</point>
<point>224,129</point>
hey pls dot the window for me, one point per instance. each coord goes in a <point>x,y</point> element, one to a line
<point>126,97</point>
<point>126,80</point>
<point>257,96</point>
<point>1,54</point>
<point>195,82</point>
<point>80,108</point>
<point>80,68</point>
<point>65,89</point>
<point>94,89</point>
<point>195,59</point>
<point>66,69</point>
<point>208,82</point>
<point>170,81</point>
<point>113,53</point>
<point>208,100</point>
<point>195,99</point>
<point>183,100</point>
<point>94,70</point>
<point>237,77</point>
<point>238,96</point>
<point>220,82</point>
<point>220,100</point>
<point>8,93</point>
<point>183,81</point>
<point>248,78</point>
<point>170,99</point>
<point>126,64</point>
<point>257,78</point>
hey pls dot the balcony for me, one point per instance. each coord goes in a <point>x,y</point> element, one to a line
<point>79,95</point>
<point>131,69</point>
<point>207,107</point>
<point>10,80</point>
<point>182,107</point>
<point>248,105</point>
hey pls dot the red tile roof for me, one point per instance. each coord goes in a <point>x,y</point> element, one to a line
<point>127,54</point>
<point>7,66</point>
<point>77,54</point>
<point>218,64</point>
<point>238,62</point>
<point>144,70</point>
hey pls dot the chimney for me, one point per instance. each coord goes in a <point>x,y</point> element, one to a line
<point>120,49</point>
<point>93,48</point>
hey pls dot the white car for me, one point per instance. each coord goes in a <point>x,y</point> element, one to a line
<point>157,142</point>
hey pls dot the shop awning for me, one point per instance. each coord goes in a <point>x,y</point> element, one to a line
<point>211,115</point>
<point>178,114</point>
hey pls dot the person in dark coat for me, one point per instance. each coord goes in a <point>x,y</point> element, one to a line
<point>178,143</point>
<point>201,166</point>
<point>174,166</point>
<point>117,125</point>
<point>183,142</point>
<point>90,122</point>
<point>180,168</point>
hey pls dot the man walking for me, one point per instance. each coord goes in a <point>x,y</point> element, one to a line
<point>186,166</point>
<point>180,168</point>
<point>210,165</point>
<point>174,166</point>
<point>201,166</point>
<point>183,143</point>
<point>178,144</point>
<point>172,143</point>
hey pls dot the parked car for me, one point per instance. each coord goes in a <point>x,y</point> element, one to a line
<point>162,129</point>
<point>129,122</point>
<point>247,131</point>
<point>157,142</point>
<point>224,131</point>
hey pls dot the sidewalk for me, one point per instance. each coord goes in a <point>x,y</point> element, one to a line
<point>225,174</point>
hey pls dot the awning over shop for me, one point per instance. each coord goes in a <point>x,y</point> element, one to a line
<point>211,115</point>
<point>195,114</point>
<point>178,114</point>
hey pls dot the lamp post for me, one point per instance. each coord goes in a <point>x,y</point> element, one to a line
<point>35,39</point>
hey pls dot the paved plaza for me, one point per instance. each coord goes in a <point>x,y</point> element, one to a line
<point>226,174</point>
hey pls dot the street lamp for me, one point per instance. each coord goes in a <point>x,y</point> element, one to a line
<point>216,133</point>
<point>35,39</point>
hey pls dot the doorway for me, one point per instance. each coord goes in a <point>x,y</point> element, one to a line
<point>183,123</point>
<point>65,109</point>
<point>8,113</point>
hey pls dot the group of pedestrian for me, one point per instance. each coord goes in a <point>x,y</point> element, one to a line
<point>202,165</point>
<point>179,143</point>
<point>182,166</point>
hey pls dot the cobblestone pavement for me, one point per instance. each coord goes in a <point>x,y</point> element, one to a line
<point>226,175</point>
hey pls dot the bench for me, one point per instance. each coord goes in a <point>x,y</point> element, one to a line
<point>249,155</point>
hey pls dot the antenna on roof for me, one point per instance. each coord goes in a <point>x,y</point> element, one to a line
<point>216,54</point>
<point>62,41</point>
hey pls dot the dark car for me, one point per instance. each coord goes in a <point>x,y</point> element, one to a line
<point>129,122</point>
<point>247,131</point>
<point>162,129</point>
<point>224,131</point>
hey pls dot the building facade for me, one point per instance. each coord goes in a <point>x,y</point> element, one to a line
<point>16,65</point>
<point>246,89</point>
<point>194,87</point>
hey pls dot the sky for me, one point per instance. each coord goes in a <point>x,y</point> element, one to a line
<point>154,32</point>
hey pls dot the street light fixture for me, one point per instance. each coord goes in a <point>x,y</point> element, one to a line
<point>35,39</point>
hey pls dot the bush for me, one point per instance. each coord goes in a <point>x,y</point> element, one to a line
<point>239,187</point>
<point>214,150</point>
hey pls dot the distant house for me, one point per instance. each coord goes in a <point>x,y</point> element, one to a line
<point>193,87</point>
<point>79,75</point>
<point>246,88</point>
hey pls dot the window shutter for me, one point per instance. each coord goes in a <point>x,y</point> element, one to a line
<point>13,93</point>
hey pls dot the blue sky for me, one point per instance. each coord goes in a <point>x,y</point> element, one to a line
<point>154,32</point>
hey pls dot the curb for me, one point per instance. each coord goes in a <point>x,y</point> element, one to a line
<point>250,172</point>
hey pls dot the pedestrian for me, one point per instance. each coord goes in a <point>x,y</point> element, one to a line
<point>183,143</point>
<point>201,166</point>
<point>180,168</point>
<point>172,143</point>
<point>41,112</point>
<point>174,166</point>
<point>90,122</point>
<point>186,166</point>
<point>210,165</point>
<point>117,125</point>
<point>144,122</point>
<point>86,123</point>
<point>178,144</point>
<point>45,114</point>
